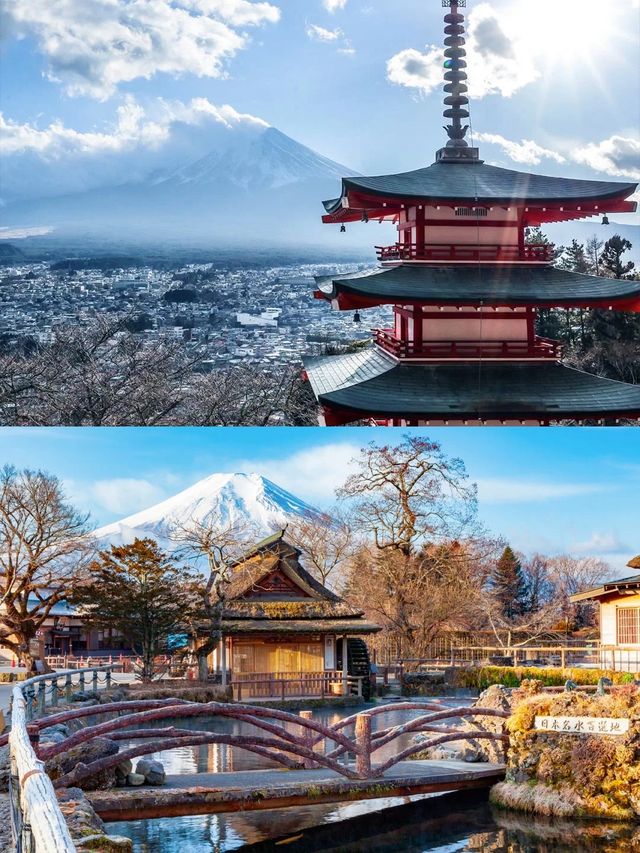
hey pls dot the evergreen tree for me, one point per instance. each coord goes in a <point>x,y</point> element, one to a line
<point>140,593</point>
<point>611,258</point>
<point>574,258</point>
<point>509,584</point>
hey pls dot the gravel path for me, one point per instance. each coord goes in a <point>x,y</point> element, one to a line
<point>6,842</point>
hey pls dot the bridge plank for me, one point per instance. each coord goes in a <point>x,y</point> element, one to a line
<point>210,793</point>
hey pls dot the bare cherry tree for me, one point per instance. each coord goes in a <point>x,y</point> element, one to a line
<point>213,551</point>
<point>44,549</point>
<point>411,493</point>
<point>328,543</point>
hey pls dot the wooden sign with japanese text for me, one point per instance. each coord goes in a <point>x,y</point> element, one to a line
<point>583,725</point>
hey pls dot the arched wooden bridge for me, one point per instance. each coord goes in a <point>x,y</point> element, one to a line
<point>326,762</point>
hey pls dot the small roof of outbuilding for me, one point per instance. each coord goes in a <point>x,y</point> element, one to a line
<point>623,586</point>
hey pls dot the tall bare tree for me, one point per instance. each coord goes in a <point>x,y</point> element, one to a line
<point>328,543</point>
<point>214,550</point>
<point>410,493</point>
<point>44,549</point>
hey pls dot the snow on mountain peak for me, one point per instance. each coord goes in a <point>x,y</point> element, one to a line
<point>258,159</point>
<point>220,500</point>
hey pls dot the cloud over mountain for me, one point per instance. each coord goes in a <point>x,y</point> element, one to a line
<point>93,46</point>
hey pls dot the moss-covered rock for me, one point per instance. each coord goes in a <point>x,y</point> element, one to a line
<point>573,775</point>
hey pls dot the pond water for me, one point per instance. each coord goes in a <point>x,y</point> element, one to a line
<point>449,823</point>
<point>442,823</point>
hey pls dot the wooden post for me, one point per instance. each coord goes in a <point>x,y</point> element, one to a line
<point>360,687</point>
<point>42,696</point>
<point>307,738</point>
<point>363,743</point>
<point>68,688</point>
<point>54,691</point>
<point>563,661</point>
<point>345,666</point>
<point>108,684</point>
<point>94,680</point>
<point>223,661</point>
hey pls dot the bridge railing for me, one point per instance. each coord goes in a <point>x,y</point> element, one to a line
<point>348,747</point>
<point>37,822</point>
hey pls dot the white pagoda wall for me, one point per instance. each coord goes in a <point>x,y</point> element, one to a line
<point>465,230</point>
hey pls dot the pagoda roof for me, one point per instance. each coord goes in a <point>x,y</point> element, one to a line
<point>493,284</point>
<point>372,383</point>
<point>478,182</point>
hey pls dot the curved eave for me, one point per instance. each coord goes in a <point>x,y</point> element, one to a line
<point>501,285</point>
<point>372,384</point>
<point>448,184</point>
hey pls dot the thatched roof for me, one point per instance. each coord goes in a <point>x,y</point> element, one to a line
<point>635,563</point>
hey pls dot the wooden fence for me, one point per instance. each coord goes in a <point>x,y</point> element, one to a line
<point>37,823</point>
<point>282,685</point>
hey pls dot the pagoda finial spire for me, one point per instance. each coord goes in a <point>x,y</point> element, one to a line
<point>457,149</point>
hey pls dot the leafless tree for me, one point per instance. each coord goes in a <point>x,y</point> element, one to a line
<point>219,549</point>
<point>328,543</point>
<point>44,549</point>
<point>410,493</point>
<point>105,375</point>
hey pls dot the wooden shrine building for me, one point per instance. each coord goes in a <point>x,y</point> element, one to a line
<point>465,286</point>
<point>285,634</point>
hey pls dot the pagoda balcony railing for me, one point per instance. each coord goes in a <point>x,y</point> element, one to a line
<point>531,253</point>
<point>436,350</point>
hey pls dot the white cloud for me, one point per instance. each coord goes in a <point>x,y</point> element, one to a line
<point>499,61</point>
<point>601,543</point>
<point>526,151</point>
<point>417,70</point>
<point>134,127</point>
<point>93,46</point>
<point>334,5</point>
<point>312,474</point>
<point>154,138</point>
<point>617,155</point>
<point>317,33</point>
<point>526,491</point>
<point>125,496</point>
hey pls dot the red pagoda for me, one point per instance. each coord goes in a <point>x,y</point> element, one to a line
<point>465,286</point>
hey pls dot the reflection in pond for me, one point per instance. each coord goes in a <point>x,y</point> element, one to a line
<point>440,824</point>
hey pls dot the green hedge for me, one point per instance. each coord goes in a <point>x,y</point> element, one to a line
<point>512,676</point>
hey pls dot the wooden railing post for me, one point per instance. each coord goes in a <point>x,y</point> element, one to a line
<point>54,691</point>
<point>108,680</point>
<point>363,745</point>
<point>68,687</point>
<point>82,682</point>
<point>307,739</point>
<point>94,681</point>
<point>42,696</point>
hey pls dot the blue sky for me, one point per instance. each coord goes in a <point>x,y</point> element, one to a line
<point>555,86</point>
<point>551,490</point>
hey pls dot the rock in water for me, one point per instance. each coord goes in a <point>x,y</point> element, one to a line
<point>86,753</point>
<point>135,779</point>
<point>153,771</point>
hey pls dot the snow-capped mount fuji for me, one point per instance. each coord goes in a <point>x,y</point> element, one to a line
<point>241,188</point>
<point>247,501</point>
<point>258,160</point>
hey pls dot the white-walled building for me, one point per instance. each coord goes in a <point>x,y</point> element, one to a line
<point>619,602</point>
